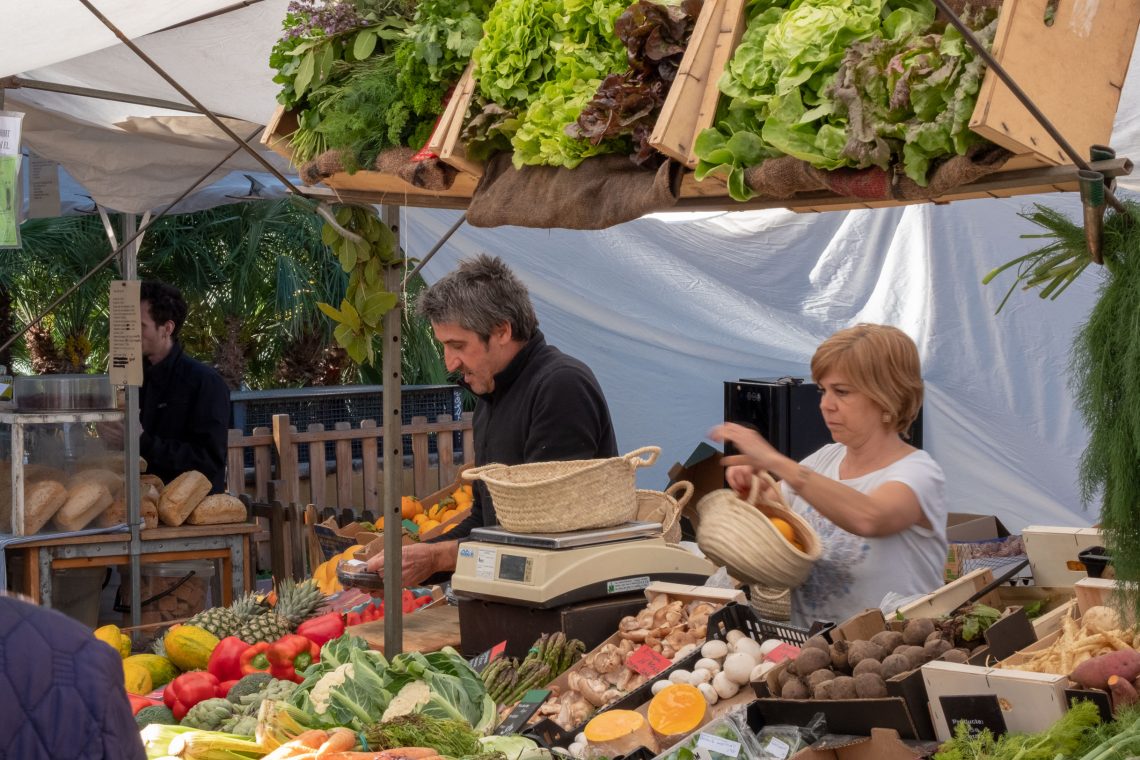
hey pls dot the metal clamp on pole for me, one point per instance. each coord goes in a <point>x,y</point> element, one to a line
<point>1092,202</point>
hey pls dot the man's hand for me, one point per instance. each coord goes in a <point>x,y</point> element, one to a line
<point>417,564</point>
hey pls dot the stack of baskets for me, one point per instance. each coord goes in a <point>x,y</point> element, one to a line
<point>665,507</point>
<point>556,497</point>
<point>740,535</point>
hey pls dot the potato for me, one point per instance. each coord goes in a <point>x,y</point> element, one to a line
<point>843,687</point>
<point>917,630</point>
<point>870,686</point>
<point>955,655</point>
<point>895,664</point>
<point>818,677</point>
<point>794,689</point>
<point>811,659</point>
<point>822,690</point>
<point>839,655</point>
<point>888,640</point>
<point>863,649</point>
<point>866,665</point>
<point>935,648</point>
<point>818,642</point>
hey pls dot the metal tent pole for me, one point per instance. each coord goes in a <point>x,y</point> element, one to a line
<point>391,356</point>
<point>131,435</point>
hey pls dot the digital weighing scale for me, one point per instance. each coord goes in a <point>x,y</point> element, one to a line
<point>548,570</point>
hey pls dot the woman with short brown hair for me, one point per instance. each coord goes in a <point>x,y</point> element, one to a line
<point>877,502</point>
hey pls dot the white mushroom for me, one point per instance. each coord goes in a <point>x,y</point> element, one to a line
<point>709,693</point>
<point>679,676</point>
<point>738,667</point>
<point>709,664</point>
<point>725,686</point>
<point>714,650</point>
<point>700,676</point>
<point>733,635</point>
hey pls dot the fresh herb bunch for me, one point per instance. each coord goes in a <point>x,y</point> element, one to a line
<point>1066,736</point>
<point>1054,266</point>
<point>1105,378</point>
<point>448,737</point>
<point>446,34</point>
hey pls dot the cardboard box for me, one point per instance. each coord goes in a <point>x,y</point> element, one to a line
<point>1026,702</point>
<point>1053,553</point>
<point>882,744</point>
<point>704,470</point>
<point>968,528</point>
<point>948,598</point>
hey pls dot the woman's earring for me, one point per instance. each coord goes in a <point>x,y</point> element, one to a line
<point>886,416</point>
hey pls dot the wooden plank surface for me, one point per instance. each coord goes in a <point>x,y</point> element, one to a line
<point>425,630</point>
<point>317,468</point>
<point>1073,69</point>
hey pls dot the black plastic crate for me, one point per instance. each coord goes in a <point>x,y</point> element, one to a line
<point>731,617</point>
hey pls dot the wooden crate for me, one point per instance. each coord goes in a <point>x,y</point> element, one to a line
<point>1072,68</point>
<point>377,186</point>
<point>452,152</point>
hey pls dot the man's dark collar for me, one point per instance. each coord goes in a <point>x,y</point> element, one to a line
<point>163,368</point>
<point>507,376</point>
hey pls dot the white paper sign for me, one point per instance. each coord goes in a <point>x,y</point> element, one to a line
<point>485,564</point>
<point>719,744</point>
<point>43,179</point>
<point>125,359</point>
<point>777,748</point>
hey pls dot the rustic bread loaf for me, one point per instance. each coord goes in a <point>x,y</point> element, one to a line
<point>116,514</point>
<point>112,480</point>
<point>84,502</point>
<point>42,500</point>
<point>148,510</point>
<point>152,481</point>
<point>181,496</point>
<point>218,508</point>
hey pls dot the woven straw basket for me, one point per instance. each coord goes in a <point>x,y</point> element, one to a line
<point>772,603</point>
<point>665,507</point>
<point>556,497</point>
<point>739,535</point>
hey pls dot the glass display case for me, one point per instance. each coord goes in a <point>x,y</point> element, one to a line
<point>58,472</point>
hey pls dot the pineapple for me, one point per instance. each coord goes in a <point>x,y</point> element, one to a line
<point>296,602</point>
<point>225,621</point>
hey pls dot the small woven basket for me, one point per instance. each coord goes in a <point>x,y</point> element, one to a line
<point>665,507</point>
<point>739,535</point>
<point>771,603</point>
<point>556,497</point>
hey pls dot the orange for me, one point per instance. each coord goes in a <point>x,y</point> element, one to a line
<point>427,525</point>
<point>410,507</point>
<point>785,528</point>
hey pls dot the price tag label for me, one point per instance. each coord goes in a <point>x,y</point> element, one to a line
<point>719,744</point>
<point>518,717</point>
<point>781,653</point>
<point>480,661</point>
<point>777,748</point>
<point>646,661</point>
<point>977,711</point>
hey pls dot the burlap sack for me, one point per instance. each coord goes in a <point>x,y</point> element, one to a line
<point>429,174</point>
<point>786,177</point>
<point>600,192</point>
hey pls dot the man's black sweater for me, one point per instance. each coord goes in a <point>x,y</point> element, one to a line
<point>546,406</point>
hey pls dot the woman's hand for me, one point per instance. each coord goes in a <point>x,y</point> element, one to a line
<point>755,452</point>
<point>739,477</point>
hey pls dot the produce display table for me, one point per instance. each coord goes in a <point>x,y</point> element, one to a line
<point>228,543</point>
<point>426,630</point>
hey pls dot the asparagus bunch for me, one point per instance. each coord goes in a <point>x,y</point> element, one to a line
<point>507,679</point>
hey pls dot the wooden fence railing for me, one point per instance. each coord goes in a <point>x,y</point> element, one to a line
<point>355,479</point>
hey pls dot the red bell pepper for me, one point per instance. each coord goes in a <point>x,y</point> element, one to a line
<point>225,660</point>
<point>225,686</point>
<point>254,659</point>
<point>290,655</point>
<point>188,690</point>
<point>322,628</point>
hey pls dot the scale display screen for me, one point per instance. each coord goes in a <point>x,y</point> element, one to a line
<point>513,567</point>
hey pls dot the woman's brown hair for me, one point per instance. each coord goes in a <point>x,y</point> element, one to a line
<point>882,362</point>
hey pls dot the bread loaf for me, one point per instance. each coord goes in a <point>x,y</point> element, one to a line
<point>84,503</point>
<point>148,510</point>
<point>42,500</point>
<point>116,514</point>
<point>113,461</point>
<point>219,508</point>
<point>36,472</point>
<point>181,496</point>
<point>112,480</point>
<point>151,481</point>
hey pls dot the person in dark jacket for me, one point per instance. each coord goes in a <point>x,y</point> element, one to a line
<point>534,403</point>
<point>62,690</point>
<point>184,405</point>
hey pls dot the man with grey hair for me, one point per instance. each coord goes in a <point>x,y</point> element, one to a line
<point>535,403</point>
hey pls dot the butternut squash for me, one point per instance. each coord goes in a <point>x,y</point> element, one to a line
<point>677,711</point>
<point>619,732</point>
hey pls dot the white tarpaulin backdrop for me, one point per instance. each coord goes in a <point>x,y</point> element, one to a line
<point>667,308</point>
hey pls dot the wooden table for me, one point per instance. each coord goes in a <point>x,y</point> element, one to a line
<point>227,543</point>
<point>428,629</point>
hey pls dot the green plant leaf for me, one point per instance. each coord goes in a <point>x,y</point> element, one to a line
<point>351,316</point>
<point>331,311</point>
<point>374,306</point>
<point>364,44</point>
<point>347,256</point>
<point>304,74</point>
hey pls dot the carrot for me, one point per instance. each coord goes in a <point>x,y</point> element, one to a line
<point>299,745</point>
<point>388,754</point>
<point>340,740</point>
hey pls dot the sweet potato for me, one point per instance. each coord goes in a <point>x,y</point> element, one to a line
<point>1095,672</point>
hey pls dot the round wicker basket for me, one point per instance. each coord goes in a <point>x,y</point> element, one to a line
<point>771,603</point>
<point>740,536</point>
<point>665,507</point>
<point>556,497</point>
